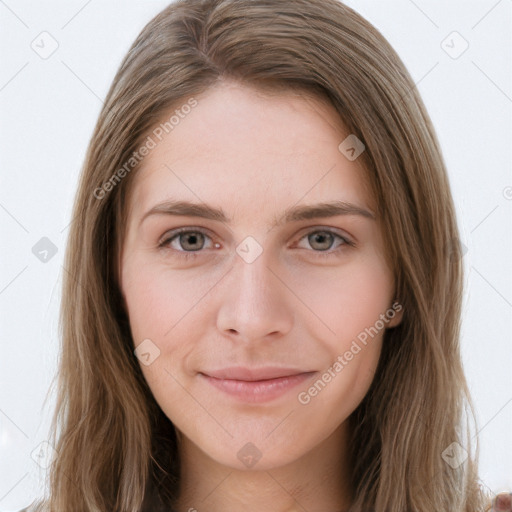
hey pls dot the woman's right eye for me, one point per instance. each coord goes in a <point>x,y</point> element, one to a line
<point>185,240</point>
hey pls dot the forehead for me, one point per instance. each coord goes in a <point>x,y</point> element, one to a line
<point>250,152</point>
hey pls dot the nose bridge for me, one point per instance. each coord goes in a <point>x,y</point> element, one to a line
<point>255,281</point>
<point>254,304</point>
<point>255,285</point>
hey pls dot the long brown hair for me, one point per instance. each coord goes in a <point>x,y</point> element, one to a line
<point>116,450</point>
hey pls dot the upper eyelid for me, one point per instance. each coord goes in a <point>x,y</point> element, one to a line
<point>334,231</point>
<point>173,233</point>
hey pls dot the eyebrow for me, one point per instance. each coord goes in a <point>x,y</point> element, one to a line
<point>292,214</point>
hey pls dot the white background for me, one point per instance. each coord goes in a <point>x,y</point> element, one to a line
<point>48,108</point>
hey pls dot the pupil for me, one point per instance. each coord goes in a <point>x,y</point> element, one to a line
<point>322,238</point>
<point>191,240</point>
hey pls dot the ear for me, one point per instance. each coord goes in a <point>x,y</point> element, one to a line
<point>394,314</point>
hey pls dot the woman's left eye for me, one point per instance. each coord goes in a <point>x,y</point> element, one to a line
<point>323,240</point>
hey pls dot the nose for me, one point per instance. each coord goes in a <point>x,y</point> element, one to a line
<point>255,304</point>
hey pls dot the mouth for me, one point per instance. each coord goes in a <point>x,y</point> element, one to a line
<point>256,385</point>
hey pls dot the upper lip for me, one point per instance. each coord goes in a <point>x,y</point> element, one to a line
<point>253,374</point>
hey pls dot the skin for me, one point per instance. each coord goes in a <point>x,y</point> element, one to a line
<point>254,155</point>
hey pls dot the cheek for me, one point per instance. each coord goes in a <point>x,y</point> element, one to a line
<point>160,308</point>
<point>160,301</point>
<point>351,307</point>
<point>344,301</point>
<point>335,394</point>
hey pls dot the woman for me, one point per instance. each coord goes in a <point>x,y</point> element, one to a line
<point>218,353</point>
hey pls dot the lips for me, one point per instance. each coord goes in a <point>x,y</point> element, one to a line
<point>253,374</point>
<point>256,385</point>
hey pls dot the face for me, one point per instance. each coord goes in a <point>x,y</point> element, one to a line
<point>257,314</point>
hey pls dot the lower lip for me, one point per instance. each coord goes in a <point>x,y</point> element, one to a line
<point>259,390</point>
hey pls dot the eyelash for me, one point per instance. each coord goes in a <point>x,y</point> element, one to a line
<point>195,254</point>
